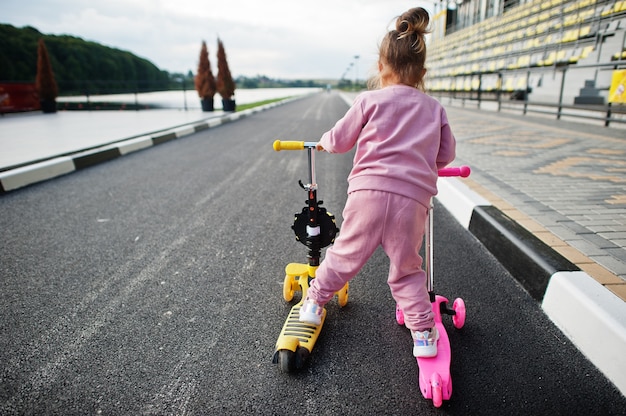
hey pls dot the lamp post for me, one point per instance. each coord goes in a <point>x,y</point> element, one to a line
<point>349,68</point>
<point>184,91</point>
<point>356,71</point>
<point>181,79</point>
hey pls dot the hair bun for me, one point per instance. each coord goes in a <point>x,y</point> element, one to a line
<point>413,22</point>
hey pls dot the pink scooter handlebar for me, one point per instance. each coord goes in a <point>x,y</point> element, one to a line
<point>462,171</point>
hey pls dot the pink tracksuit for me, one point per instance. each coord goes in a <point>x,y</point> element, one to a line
<point>402,138</point>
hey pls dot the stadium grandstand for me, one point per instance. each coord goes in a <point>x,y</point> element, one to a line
<point>556,52</point>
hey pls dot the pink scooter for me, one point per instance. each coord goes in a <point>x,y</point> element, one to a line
<point>434,373</point>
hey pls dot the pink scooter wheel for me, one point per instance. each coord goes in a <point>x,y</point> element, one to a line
<point>459,308</point>
<point>399,315</point>
<point>435,385</point>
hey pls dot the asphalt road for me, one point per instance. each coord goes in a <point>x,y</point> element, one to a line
<point>152,284</point>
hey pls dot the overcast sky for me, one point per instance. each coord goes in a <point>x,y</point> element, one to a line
<point>287,39</point>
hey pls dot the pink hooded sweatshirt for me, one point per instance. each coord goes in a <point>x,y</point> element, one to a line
<point>402,138</point>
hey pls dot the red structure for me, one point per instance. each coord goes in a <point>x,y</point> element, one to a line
<point>18,96</point>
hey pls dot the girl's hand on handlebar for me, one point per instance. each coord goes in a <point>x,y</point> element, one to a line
<point>319,148</point>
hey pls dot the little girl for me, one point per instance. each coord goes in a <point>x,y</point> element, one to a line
<point>402,138</point>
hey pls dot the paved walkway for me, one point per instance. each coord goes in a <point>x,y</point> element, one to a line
<point>561,180</point>
<point>29,137</point>
<point>563,183</point>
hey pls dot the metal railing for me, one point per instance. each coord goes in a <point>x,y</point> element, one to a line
<point>560,91</point>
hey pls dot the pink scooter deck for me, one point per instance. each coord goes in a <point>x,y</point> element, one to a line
<point>434,373</point>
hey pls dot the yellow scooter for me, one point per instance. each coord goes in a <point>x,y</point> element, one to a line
<point>316,228</point>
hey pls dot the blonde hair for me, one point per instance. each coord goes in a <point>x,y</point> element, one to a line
<point>403,49</point>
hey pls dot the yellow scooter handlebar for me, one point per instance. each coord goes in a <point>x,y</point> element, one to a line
<point>292,145</point>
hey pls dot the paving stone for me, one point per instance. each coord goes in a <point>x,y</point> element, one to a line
<point>568,177</point>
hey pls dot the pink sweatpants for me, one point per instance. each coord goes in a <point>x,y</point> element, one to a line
<point>373,218</point>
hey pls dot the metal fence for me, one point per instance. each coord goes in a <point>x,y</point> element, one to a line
<point>561,91</point>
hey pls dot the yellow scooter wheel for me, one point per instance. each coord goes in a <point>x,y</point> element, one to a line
<point>286,360</point>
<point>342,296</point>
<point>288,288</point>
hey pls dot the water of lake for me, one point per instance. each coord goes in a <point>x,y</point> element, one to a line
<point>189,99</point>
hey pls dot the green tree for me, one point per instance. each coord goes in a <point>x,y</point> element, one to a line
<point>79,66</point>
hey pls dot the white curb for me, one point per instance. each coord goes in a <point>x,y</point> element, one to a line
<point>17,178</point>
<point>593,318</point>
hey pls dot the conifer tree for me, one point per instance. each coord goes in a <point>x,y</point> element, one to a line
<point>45,83</point>
<point>225,84</point>
<point>205,81</point>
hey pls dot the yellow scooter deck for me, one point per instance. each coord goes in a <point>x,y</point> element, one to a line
<point>298,334</point>
<point>296,339</point>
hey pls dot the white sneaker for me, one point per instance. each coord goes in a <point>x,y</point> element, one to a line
<point>311,312</point>
<point>425,343</point>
